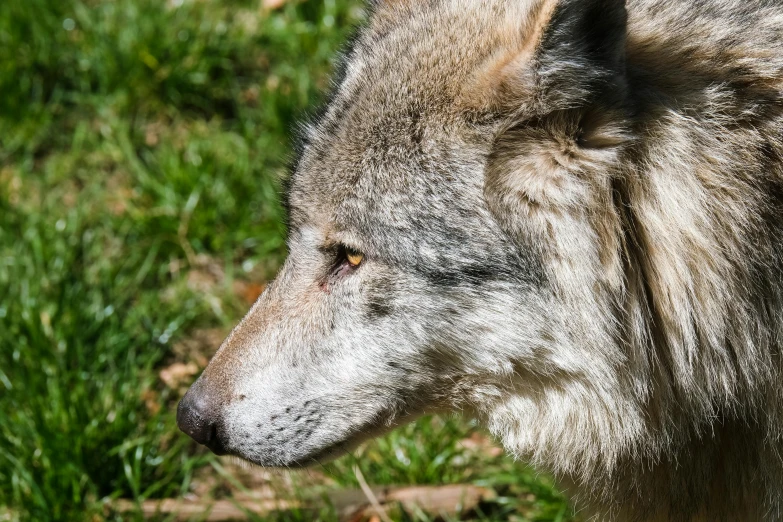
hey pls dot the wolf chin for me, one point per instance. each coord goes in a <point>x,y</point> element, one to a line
<point>563,218</point>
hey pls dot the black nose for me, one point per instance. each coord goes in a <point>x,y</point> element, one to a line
<point>197,418</point>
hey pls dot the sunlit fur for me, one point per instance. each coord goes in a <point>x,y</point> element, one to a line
<point>571,215</point>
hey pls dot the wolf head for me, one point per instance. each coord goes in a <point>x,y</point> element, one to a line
<point>443,216</point>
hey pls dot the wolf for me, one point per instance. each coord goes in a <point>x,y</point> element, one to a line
<point>563,218</point>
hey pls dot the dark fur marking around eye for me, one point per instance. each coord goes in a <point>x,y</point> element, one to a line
<point>523,271</point>
<point>467,274</point>
<point>379,308</point>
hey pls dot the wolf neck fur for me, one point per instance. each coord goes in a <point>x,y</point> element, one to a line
<point>681,233</point>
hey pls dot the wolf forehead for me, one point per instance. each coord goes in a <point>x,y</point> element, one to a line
<point>395,173</point>
<point>395,178</point>
<point>394,125</point>
<point>406,147</point>
<point>400,199</point>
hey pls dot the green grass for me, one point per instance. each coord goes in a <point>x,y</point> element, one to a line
<point>140,142</point>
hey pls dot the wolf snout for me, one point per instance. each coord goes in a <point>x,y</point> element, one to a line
<point>200,419</point>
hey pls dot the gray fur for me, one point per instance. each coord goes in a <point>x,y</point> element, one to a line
<point>572,220</point>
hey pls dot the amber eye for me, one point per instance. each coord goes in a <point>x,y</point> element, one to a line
<point>354,258</point>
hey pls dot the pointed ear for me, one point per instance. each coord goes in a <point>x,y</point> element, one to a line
<point>558,54</point>
<point>582,51</point>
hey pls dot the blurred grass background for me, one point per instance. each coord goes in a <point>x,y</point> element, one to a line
<point>142,143</point>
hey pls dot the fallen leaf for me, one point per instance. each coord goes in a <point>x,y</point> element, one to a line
<point>151,401</point>
<point>178,374</point>
<point>273,4</point>
<point>480,443</point>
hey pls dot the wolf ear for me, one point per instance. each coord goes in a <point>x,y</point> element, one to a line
<point>561,99</point>
<point>559,54</point>
<point>582,51</point>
